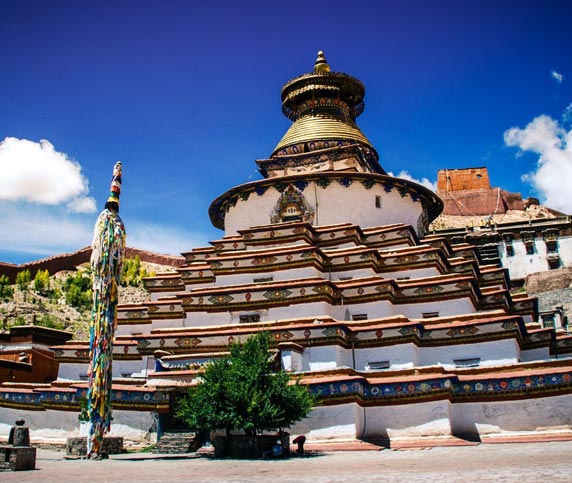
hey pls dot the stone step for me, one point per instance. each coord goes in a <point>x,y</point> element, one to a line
<point>175,442</point>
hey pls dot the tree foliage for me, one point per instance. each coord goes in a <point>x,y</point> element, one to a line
<point>42,281</point>
<point>132,272</point>
<point>23,279</point>
<point>6,291</point>
<point>245,391</point>
<point>78,290</point>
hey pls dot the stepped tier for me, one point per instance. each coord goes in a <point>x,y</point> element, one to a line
<point>355,343</point>
<point>267,295</point>
<point>412,386</point>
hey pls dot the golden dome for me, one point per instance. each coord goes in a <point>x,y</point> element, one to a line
<point>323,106</point>
<point>314,128</point>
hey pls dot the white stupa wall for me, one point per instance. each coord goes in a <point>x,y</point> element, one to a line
<point>331,205</point>
<point>341,421</point>
<point>543,414</point>
<point>76,371</point>
<point>491,353</point>
<point>399,356</point>
<point>429,419</point>
<point>56,426</point>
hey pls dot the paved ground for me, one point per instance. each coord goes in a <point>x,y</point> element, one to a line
<point>522,462</point>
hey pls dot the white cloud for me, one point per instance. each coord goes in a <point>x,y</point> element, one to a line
<point>557,76</point>
<point>82,205</point>
<point>553,144</point>
<point>432,185</point>
<point>37,173</point>
<point>567,116</point>
<point>42,230</point>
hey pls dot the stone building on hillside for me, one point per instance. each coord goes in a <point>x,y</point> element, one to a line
<point>468,191</point>
<point>399,334</point>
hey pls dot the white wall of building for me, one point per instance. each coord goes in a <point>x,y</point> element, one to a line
<point>321,358</point>
<point>342,421</point>
<point>491,353</point>
<point>543,414</point>
<point>277,276</point>
<point>429,419</point>
<point>539,354</point>
<point>522,264</point>
<point>57,426</point>
<point>336,204</point>
<point>400,356</point>
<point>120,368</point>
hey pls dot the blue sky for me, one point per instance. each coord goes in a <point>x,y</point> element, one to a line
<point>187,95</point>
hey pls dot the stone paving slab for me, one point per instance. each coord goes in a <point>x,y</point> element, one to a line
<point>510,462</point>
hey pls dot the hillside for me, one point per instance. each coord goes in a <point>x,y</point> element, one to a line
<point>532,212</point>
<point>65,303</point>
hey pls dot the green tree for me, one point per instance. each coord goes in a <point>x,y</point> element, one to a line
<point>77,288</point>
<point>42,281</point>
<point>245,391</point>
<point>23,279</point>
<point>6,291</point>
<point>132,273</point>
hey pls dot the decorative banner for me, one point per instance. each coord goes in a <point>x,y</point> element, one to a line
<point>108,250</point>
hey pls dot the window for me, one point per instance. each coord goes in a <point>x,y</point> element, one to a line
<point>547,320</point>
<point>553,262</point>
<point>359,316</point>
<point>249,318</point>
<point>343,279</point>
<point>429,315</point>
<point>403,278</point>
<point>263,279</point>
<point>377,366</point>
<point>378,201</point>
<point>528,240</point>
<point>508,238</point>
<point>474,362</point>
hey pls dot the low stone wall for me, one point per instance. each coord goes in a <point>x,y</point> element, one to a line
<point>78,446</point>
<point>547,281</point>
<point>17,458</point>
<point>252,447</point>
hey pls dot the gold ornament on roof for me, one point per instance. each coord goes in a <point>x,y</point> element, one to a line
<point>321,66</point>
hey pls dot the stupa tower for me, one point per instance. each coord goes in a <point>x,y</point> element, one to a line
<point>324,170</point>
<point>401,336</point>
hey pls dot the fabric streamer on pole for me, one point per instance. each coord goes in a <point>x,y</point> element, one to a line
<point>108,249</point>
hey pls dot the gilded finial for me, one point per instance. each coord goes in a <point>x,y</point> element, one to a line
<point>321,66</point>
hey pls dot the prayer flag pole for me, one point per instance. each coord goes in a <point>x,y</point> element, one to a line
<point>108,249</point>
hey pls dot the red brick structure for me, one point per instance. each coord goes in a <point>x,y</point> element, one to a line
<point>468,192</point>
<point>25,356</point>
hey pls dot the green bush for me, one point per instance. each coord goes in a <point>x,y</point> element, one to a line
<point>23,279</point>
<point>132,273</point>
<point>245,391</point>
<point>6,291</point>
<point>42,281</point>
<point>77,288</point>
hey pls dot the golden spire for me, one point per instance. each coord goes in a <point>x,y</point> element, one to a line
<point>321,66</point>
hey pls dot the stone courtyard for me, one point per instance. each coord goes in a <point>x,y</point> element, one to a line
<point>509,462</point>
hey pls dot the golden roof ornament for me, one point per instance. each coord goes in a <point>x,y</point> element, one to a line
<point>321,66</point>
